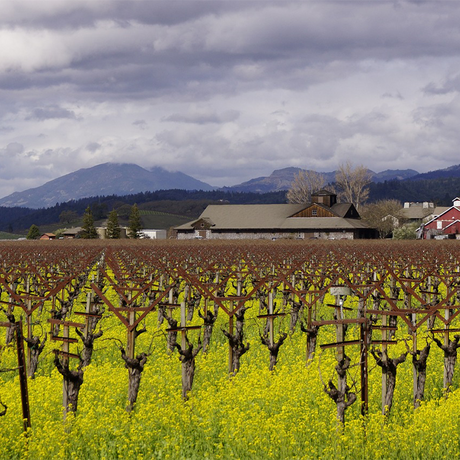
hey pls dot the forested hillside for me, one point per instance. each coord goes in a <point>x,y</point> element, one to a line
<point>182,203</point>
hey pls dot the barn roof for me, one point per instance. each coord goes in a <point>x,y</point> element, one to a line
<point>272,216</point>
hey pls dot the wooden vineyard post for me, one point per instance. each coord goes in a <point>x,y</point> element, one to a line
<point>17,327</point>
<point>446,341</point>
<point>414,350</point>
<point>230,331</point>
<point>364,329</point>
<point>384,357</point>
<point>339,292</point>
<point>231,323</point>
<point>65,359</point>
<point>309,319</point>
<point>28,319</point>
<point>131,339</point>
<point>413,332</point>
<point>89,296</point>
<point>23,377</point>
<point>270,318</point>
<point>183,325</point>
<point>364,370</point>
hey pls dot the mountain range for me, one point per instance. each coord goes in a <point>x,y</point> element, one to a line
<point>281,179</point>
<point>102,180</point>
<point>125,179</point>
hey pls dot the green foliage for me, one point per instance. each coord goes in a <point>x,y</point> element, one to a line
<point>135,224</point>
<point>181,202</point>
<point>34,232</point>
<point>113,228</point>
<point>66,217</point>
<point>406,232</point>
<point>9,236</point>
<point>382,215</point>
<point>59,232</point>
<point>99,210</point>
<point>440,191</point>
<point>89,231</point>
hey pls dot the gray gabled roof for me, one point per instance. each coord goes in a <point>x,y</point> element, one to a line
<point>341,209</point>
<point>271,216</point>
<point>247,216</point>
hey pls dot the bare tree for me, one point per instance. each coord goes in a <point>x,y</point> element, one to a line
<point>352,183</point>
<point>384,215</point>
<point>304,183</point>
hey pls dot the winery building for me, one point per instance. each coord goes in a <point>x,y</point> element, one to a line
<point>323,218</point>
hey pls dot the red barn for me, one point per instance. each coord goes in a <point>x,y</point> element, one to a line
<point>447,223</point>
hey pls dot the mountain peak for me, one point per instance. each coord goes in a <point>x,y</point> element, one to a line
<point>103,179</point>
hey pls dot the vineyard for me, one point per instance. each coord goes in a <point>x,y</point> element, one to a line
<point>229,350</point>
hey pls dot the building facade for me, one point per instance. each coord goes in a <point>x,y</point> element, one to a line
<point>322,218</point>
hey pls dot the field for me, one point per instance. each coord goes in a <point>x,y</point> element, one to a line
<point>155,302</point>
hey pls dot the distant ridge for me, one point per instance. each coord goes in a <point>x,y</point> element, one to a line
<point>104,179</point>
<point>127,179</point>
<point>451,171</point>
<point>281,179</point>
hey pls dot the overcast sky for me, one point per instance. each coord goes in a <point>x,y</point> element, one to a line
<point>226,90</point>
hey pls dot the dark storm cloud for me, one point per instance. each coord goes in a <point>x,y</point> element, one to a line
<point>272,83</point>
<point>55,14</point>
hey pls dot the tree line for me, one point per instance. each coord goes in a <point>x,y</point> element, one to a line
<point>180,202</point>
<point>89,231</point>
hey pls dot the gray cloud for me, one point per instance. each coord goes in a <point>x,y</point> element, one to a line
<point>142,124</point>
<point>50,112</point>
<point>226,90</point>
<point>203,117</point>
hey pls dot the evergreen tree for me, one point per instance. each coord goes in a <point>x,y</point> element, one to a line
<point>113,228</point>
<point>89,231</point>
<point>34,233</point>
<point>135,225</point>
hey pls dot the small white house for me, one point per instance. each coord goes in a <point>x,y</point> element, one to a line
<point>154,234</point>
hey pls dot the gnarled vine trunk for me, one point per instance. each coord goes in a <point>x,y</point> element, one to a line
<point>187,357</point>
<point>341,395</point>
<point>419,359</point>
<point>236,340</point>
<point>36,347</point>
<point>389,367</point>
<point>450,358</point>
<point>209,319</point>
<point>273,349</point>
<point>73,380</point>
<point>135,368</point>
